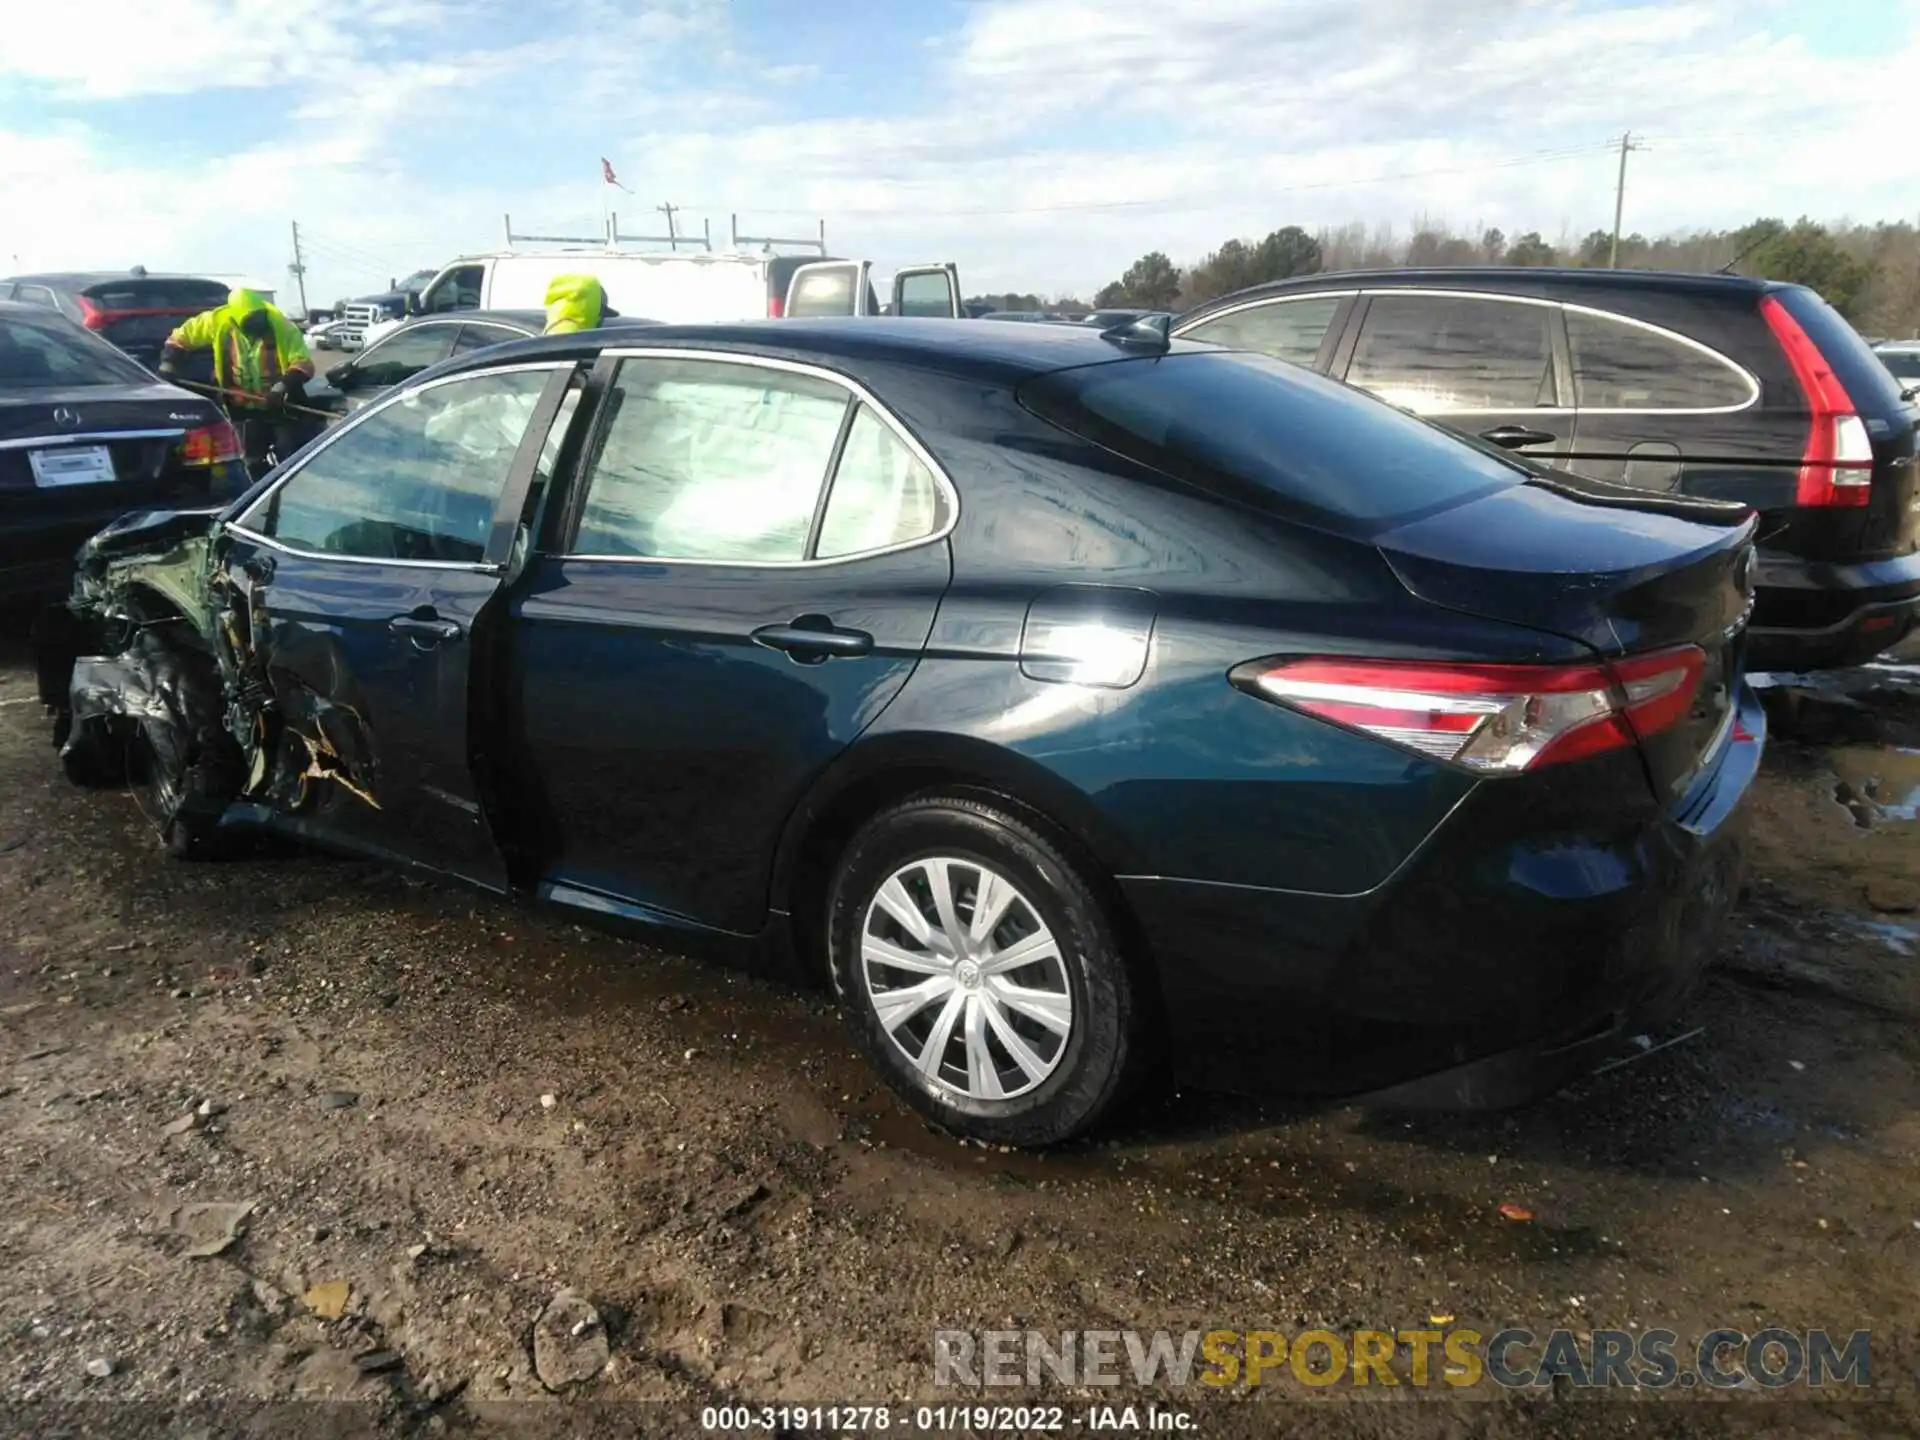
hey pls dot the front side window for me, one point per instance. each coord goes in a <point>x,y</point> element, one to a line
<point>1620,366</point>
<point>418,479</point>
<point>1437,353</point>
<point>882,495</point>
<point>459,289</point>
<point>1286,329</point>
<point>403,356</point>
<point>705,460</point>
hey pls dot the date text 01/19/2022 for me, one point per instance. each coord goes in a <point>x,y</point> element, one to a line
<point>939,1419</point>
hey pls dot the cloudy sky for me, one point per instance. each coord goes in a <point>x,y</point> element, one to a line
<point>1042,144</point>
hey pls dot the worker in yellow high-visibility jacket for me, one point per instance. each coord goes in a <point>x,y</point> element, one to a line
<point>575,302</point>
<point>260,363</point>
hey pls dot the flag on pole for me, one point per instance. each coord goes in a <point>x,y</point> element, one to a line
<point>606,174</point>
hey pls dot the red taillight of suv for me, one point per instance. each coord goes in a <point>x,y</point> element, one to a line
<point>776,307</point>
<point>214,444</point>
<point>1836,466</point>
<point>1498,719</point>
<point>92,316</point>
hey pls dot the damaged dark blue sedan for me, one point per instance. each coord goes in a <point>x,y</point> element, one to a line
<point>1073,700</point>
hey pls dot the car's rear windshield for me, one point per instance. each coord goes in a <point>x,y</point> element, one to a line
<point>1875,393</point>
<point>39,356</point>
<point>1253,424</point>
<point>157,293</point>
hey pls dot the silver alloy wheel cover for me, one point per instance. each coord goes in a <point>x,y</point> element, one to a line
<point>966,979</point>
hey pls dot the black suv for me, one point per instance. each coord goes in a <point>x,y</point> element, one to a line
<point>1710,385</point>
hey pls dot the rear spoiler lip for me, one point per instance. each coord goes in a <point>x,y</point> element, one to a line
<point>1586,490</point>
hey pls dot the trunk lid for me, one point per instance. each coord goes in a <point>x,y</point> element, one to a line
<point>1623,572</point>
<point>139,427</point>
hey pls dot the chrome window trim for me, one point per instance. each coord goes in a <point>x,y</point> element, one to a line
<point>1752,382</point>
<point>347,427</point>
<point>1262,303</point>
<point>474,567</point>
<point>795,367</point>
<point>39,442</point>
<point>1686,342</point>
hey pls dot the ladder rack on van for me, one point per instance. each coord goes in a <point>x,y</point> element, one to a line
<point>613,239</point>
<point>674,238</point>
<point>740,241</point>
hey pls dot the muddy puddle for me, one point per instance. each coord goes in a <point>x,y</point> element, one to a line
<point>1876,784</point>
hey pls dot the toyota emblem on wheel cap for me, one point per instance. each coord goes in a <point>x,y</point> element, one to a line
<point>65,416</point>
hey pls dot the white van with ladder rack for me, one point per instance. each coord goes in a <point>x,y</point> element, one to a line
<point>687,282</point>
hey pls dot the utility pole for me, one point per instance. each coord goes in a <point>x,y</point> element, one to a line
<point>298,270</point>
<point>1627,143</point>
<point>673,238</point>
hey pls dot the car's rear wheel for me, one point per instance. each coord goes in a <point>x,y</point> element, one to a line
<point>983,972</point>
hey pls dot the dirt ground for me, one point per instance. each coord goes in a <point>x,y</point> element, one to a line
<point>443,1110</point>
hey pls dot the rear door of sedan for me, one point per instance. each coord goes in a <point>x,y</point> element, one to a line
<point>742,575</point>
<point>1484,364</point>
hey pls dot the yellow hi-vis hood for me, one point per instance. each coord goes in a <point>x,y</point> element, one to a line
<point>241,303</point>
<point>574,302</point>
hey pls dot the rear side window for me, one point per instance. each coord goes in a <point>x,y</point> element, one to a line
<point>1618,365</point>
<point>1271,432</point>
<point>1875,393</point>
<point>703,460</point>
<point>157,294</point>
<point>1440,353</point>
<point>1286,329</point>
<point>882,495</point>
<point>56,354</point>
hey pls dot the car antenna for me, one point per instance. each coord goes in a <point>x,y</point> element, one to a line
<point>1149,332</point>
<point>1727,269</point>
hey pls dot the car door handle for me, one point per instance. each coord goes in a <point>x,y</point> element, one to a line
<point>425,627</point>
<point>814,637</point>
<point>1516,437</point>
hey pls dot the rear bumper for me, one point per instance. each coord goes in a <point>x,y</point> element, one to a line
<point>1810,615</point>
<point>1490,970</point>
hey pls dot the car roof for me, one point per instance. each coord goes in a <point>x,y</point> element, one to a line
<point>1509,279</point>
<point>67,279</point>
<point>1006,353</point>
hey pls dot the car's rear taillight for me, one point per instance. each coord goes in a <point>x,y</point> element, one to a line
<point>213,444</point>
<point>1498,719</point>
<point>1836,465</point>
<point>776,307</point>
<point>91,315</point>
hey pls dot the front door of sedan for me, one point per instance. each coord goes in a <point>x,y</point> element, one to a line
<point>745,575</point>
<point>1482,364</point>
<point>359,583</point>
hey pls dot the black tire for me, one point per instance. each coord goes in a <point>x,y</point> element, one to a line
<point>172,782</point>
<point>1103,1053</point>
